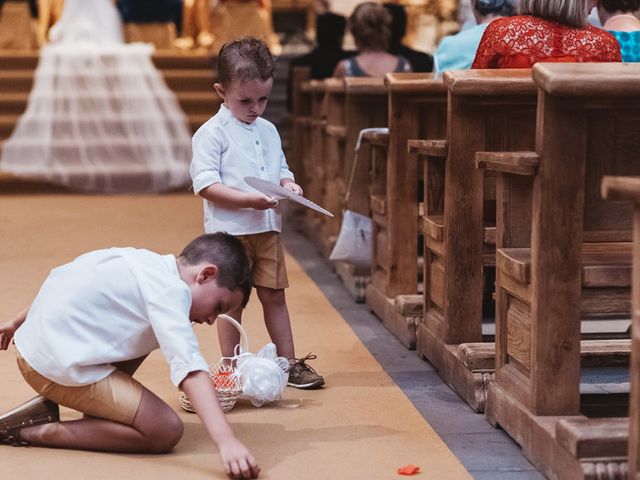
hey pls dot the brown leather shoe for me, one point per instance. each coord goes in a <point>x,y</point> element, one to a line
<point>36,411</point>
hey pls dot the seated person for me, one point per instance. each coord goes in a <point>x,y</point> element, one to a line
<point>323,59</point>
<point>328,51</point>
<point>456,52</point>
<point>151,21</point>
<point>545,30</point>
<point>617,17</point>
<point>370,25</point>
<point>420,61</point>
<point>151,11</point>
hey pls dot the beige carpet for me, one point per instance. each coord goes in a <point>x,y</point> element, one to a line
<point>361,426</point>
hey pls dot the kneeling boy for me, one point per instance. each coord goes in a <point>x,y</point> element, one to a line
<point>92,324</point>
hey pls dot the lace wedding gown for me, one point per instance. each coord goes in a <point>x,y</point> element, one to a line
<point>100,117</point>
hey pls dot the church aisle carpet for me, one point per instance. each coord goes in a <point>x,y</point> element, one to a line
<point>360,426</point>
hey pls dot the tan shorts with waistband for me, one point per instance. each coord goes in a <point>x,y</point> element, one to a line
<point>266,259</point>
<point>115,397</point>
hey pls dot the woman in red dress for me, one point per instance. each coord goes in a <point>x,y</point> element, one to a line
<point>545,31</point>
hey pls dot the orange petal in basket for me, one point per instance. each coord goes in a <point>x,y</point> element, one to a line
<point>224,380</point>
<point>409,470</point>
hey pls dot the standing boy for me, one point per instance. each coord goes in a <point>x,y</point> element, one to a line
<point>92,324</point>
<point>233,144</point>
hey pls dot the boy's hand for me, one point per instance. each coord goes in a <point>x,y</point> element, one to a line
<point>238,462</point>
<point>6,334</point>
<point>260,201</point>
<point>9,329</point>
<point>294,187</point>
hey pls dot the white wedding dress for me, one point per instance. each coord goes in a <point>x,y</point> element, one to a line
<point>100,117</point>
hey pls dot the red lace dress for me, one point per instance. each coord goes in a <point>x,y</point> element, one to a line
<point>521,41</point>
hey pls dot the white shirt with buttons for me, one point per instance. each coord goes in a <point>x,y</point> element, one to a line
<point>109,306</point>
<point>225,150</point>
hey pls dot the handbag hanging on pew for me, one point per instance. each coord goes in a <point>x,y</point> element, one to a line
<point>354,240</point>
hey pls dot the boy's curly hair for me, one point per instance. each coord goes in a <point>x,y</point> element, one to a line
<point>245,59</point>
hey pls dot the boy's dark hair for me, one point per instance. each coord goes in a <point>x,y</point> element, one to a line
<point>246,59</point>
<point>225,252</point>
<point>612,6</point>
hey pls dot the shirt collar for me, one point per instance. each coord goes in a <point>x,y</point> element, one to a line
<point>172,263</point>
<point>227,117</point>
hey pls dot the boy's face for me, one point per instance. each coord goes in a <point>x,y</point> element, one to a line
<point>208,299</point>
<point>246,99</point>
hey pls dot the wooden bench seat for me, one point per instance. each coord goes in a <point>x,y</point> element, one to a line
<point>434,229</point>
<point>603,265</point>
<point>480,356</point>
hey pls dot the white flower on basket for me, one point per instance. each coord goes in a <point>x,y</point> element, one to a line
<point>263,375</point>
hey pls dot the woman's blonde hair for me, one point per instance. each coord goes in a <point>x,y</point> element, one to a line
<point>370,25</point>
<point>570,12</point>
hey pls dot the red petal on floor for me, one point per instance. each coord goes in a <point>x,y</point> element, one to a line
<point>409,470</point>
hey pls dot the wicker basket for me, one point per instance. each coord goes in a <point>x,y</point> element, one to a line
<point>228,386</point>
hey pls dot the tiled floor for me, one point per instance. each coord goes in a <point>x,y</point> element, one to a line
<point>484,451</point>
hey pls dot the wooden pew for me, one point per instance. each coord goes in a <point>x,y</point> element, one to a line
<point>333,163</point>
<point>487,110</point>
<point>300,117</point>
<point>628,188</point>
<point>562,256</point>
<point>313,155</point>
<point>417,106</point>
<point>365,107</point>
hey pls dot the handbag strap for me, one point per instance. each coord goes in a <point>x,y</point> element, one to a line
<point>356,155</point>
<point>354,165</point>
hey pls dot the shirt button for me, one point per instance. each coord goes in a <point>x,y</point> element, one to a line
<point>257,142</point>
<point>262,169</point>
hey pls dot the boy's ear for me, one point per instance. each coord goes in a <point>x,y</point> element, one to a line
<point>219,90</point>
<point>208,272</point>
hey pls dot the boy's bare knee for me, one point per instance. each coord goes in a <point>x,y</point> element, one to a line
<point>159,424</point>
<point>167,435</point>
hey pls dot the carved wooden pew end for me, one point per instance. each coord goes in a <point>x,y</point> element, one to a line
<point>563,254</point>
<point>417,106</point>
<point>459,222</point>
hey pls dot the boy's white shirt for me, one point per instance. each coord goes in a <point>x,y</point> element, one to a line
<point>109,306</point>
<point>225,150</point>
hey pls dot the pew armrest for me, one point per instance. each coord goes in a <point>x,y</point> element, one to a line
<point>517,163</point>
<point>377,138</point>
<point>337,131</point>
<point>621,188</point>
<point>430,148</point>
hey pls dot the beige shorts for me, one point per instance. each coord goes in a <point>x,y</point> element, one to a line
<point>266,259</point>
<point>115,397</point>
